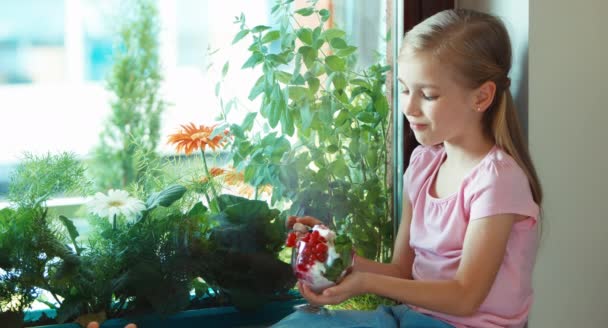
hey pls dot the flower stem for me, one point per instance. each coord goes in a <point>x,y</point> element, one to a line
<point>114,222</point>
<point>210,178</point>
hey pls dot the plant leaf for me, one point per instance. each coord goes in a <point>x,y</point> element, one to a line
<point>335,63</point>
<point>305,11</point>
<point>165,197</point>
<point>240,35</point>
<point>271,36</point>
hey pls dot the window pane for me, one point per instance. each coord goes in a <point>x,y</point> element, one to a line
<point>32,47</point>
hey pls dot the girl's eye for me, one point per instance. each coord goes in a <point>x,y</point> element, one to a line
<point>430,98</point>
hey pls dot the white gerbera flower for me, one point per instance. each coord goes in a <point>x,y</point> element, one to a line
<point>117,202</point>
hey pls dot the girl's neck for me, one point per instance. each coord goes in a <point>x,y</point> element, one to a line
<point>467,154</point>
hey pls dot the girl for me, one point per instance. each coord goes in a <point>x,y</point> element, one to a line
<point>466,245</point>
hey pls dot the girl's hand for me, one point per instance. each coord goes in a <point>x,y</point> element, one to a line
<point>305,220</point>
<point>351,285</point>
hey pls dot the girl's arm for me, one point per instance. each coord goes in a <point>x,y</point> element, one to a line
<point>403,255</point>
<point>482,255</point>
<point>483,252</point>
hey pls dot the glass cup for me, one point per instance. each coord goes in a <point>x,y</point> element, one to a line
<point>307,260</point>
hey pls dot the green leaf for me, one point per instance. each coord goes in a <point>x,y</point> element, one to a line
<point>283,77</point>
<point>217,89</point>
<point>338,43</point>
<point>339,81</point>
<point>305,115</point>
<point>271,36</point>
<point>305,11</point>
<point>309,55</point>
<point>287,122</point>
<point>333,33</point>
<point>255,59</point>
<point>296,92</point>
<point>260,28</point>
<point>248,121</point>
<point>332,149</point>
<point>360,82</point>
<point>335,63</point>
<point>257,89</point>
<point>240,35</point>
<point>339,168</point>
<point>313,85</point>
<point>242,210</point>
<point>342,118</point>
<point>72,231</point>
<point>324,13</point>
<point>367,117</point>
<point>197,211</point>
<point>305,34</point>
<point>165,197</point>
<point>298,80</point>
<point>346,51</point>
<point>274,116</point>
<point>69,225</point>
<point>381,106</point>
<point>225,69</point>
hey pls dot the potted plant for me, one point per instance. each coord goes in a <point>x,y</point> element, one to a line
<point>310,90</point>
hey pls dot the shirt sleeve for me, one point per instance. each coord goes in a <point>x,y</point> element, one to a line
<point>407,176</point>
<point>503,189</point>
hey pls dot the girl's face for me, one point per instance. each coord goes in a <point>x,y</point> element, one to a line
<point>437,107</point>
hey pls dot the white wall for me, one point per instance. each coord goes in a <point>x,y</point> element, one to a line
<point>568,68</point>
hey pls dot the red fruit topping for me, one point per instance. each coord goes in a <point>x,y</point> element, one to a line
<point>291,240</point>
<point>321,248</point>
<point>322,257</point>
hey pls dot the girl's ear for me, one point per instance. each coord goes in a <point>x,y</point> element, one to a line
<point>484,95</point>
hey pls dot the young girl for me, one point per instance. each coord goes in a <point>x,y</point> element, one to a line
<point>467,241</point>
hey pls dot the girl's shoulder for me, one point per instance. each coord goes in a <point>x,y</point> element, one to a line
<point>498,162</point>
<point>425,154</point>
<point>497,170</point>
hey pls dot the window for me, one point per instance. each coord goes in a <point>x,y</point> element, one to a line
<point>54,86</point>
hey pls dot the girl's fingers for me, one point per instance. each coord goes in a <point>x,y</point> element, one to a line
<point>309,221</point>
<point>291,220</point>
<point>93,324</point>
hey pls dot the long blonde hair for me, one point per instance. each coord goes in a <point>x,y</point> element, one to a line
<point>477,46</point>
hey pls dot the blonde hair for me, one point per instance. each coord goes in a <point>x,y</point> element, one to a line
<point>477,46</point>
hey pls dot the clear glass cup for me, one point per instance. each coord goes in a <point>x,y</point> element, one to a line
<point>306,270</point>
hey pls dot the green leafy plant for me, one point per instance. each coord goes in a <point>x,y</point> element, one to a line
<point>32,250</point>
<point>310,90</point>
<point>127,149</point>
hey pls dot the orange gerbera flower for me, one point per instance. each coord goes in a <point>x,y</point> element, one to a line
<point>237,179</point>
<point>192,138</point>
<point>247,190</point>
<point>214,172</point>
<point>234,178</point>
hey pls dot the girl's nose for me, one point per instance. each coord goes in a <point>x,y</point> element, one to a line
<point>410,108</point>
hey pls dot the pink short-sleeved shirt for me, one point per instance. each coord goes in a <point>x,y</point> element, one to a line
<point>497,185</point>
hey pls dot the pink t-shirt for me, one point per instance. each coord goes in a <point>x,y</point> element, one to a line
<point>497,185</point>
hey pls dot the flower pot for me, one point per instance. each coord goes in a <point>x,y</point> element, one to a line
<point>227,316</point>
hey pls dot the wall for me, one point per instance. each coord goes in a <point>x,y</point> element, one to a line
<point>514,14</point>
<point>567,137</point>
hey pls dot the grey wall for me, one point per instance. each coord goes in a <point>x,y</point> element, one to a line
<point>568,134</point>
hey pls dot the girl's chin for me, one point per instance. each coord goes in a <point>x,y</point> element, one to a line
<point>426,141</point>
